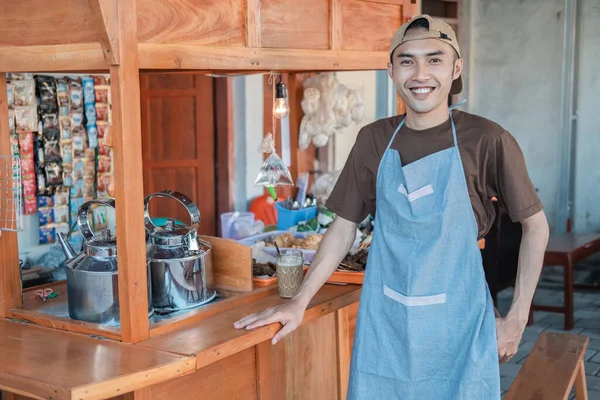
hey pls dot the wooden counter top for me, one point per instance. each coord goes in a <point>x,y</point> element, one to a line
<point>48,364</point>
<point>214,338</point>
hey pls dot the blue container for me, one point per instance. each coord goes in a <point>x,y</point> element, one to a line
<point>288,218</point>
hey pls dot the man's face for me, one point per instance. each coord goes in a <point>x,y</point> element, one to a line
<point>423,71</point>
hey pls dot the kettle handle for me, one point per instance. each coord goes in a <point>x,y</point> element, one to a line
<point>82,216</point>
<point>189,205</point>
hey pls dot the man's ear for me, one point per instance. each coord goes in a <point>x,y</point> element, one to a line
<point>390,70</point>
<point>458,68</point>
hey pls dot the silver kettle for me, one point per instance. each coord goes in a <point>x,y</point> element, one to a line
<point>92,280</point>
<point>180,263</point>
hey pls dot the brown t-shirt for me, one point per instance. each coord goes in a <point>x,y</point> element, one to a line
<point>493,163</point>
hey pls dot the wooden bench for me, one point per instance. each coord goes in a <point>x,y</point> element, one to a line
<point>565,251</point>
<point>554,365</point>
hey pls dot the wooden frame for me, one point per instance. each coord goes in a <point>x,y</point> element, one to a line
<point>239,36</point>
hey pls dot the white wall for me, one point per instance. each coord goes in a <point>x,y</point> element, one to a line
<point>586,217</point>
<point>515,77</point>
<point>365,83</point>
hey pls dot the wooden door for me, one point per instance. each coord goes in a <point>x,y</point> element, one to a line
<point>178,142</point>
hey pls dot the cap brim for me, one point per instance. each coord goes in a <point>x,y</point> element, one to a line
<point>457,86</point>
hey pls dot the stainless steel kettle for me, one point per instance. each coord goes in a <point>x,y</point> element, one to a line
<point>180,263</point>
<point>92,280</point>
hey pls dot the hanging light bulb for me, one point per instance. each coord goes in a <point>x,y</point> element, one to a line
<point>281,108</point>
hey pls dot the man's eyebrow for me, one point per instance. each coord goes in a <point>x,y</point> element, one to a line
<point>433,53</point>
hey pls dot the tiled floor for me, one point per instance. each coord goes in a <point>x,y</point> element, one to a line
<point>587,322</point>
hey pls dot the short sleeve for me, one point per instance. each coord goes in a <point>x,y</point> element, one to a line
<point>345,199</point>
<point>510,181</point>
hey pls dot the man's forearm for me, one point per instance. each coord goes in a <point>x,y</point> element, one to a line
<point>531,257</point>
<point>336,243</point>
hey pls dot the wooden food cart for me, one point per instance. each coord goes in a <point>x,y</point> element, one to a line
<point>198,354</point>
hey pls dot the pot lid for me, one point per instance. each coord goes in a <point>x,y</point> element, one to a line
<point>171,234</point>
<point>103,245</point>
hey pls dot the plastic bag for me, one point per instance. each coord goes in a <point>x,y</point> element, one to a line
<point>273,171</point>
<point>24,93</point>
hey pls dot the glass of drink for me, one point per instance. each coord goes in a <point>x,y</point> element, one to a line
<point>289,272</point>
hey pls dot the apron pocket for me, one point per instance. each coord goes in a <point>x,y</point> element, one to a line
<point>420,347</point>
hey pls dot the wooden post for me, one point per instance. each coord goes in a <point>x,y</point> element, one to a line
<point>10,271</point>
<point>128,178</point>
<point>223,97</point>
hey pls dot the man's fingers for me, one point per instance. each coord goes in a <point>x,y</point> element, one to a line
<point>266,320</point>
<point>249,319</point>
<point>282,333</point>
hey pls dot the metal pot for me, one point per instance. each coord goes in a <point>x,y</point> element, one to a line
<point>180,263</point>
<point>92,275</point>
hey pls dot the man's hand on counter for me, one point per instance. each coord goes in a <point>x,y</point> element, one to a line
<point>289,314</point>
<point>336,243</point>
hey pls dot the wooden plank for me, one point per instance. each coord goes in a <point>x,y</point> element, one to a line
<point>215,338</point>
<point>10,271</point>
<point>337,25</point>
<point>253,23</point>
<point>302,24</point>
<point>197,22</point>
<point>410,9</point>
<point>199,314</point>
<point>63,57</point>
<point>223,94</point>
<point>580,384</point>
<point>128,181</point>
<point>104,13</point>
<point>270,370</point>
<point>311,361</point>
<point>233,378</point>
<point>64,324</point>
<point>369,26</point>
<point>551,367</point>
<point>45,22</point>
<point>345,325</point>
<point>44,363</point>
<point>231,264</point>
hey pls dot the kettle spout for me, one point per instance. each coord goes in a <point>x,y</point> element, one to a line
<point>67,249</point>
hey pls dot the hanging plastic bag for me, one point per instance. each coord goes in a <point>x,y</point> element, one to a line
<point>273,171</point>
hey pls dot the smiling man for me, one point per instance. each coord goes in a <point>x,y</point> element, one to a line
<point>426,326</point>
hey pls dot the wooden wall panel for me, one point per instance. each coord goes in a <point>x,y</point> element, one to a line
<point>203,22</point>
<point>214,382</point>
<point>301,24</point>
<point>369,25</point>
<point>46,22</point>
<point>179,144</point>
<point>311,361</point>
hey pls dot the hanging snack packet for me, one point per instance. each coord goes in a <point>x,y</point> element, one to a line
<point>103,164</point>
<point>10,91</point>
<point>90,113</point>
<point>78,168</point>
<point>88,90</point>
<point>27,164</point>
<point>101,94</point>
<point>89,167</point>
<point>61,197</point>
<point>103,182</point>
<point>76,119</point>
<point>100,80</point>
<point>90,154</point>
<point>45,215</point>
<point>20,76</point>
<point>26,119</point>
<point>53,173</point>
<point>61,214</point>
<point>46,86</point>
<point>49,121</point>
<point>77,189</point>
<point>92,131</point>
<point>24,93</point>
<point>102,126</point>
<point>11,121</point>
<point>78,146</point>
<point>88,184</point>
<point>102,112</point>
<point>67,152</point>
<point>65,133</point>
<point>26,142</point>
<point>51,149</point>
<point>45,201</point>
<point>14,144</point>
<point>47,234</point>
<point>75,94</point>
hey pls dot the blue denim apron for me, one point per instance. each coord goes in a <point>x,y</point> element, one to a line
<point>426,326</point>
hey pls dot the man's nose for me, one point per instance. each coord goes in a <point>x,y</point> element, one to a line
<point>421,72</point>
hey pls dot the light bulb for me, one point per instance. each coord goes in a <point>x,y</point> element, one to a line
<point>281,108</point>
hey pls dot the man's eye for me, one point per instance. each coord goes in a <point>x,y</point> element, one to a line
<point>436,60</point>
<point>405,62</point>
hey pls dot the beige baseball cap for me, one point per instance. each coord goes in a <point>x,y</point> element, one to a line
<point>436,29</point>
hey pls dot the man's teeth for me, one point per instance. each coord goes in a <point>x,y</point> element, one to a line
<point>422,90</point>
